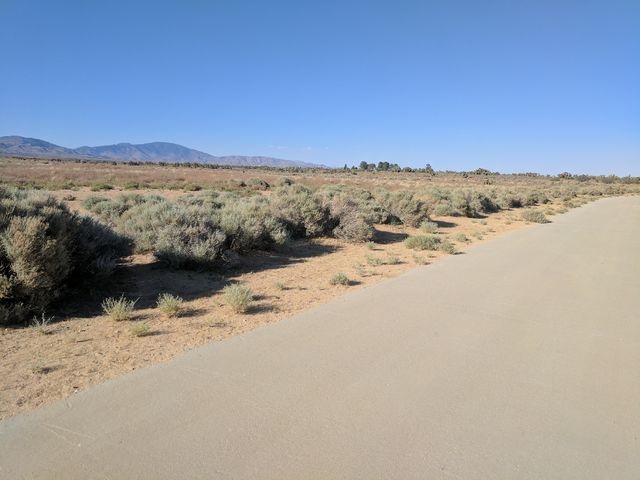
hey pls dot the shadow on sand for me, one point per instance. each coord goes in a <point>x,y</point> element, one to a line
<point>145,281</point>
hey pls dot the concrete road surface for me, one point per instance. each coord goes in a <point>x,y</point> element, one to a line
<point>519,359</point>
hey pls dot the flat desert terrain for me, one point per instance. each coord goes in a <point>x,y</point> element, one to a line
<point>82,346</point>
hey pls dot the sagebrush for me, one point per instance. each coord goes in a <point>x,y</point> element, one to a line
<point>46,250</point>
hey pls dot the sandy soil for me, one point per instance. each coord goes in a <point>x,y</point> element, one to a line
<point>82,347</point>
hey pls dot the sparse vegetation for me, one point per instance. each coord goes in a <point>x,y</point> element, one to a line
<point>423,242</point>
<point>339,279</point>
<point>211,220</point>
<point>374,261</point>
<point>170,305</point>
<point>429,227</point>
<point>392,259</point>
<point>96,187</point>
<point>360,270</point>
<point>429,242</point>
<point>460,237</point>
<point>41,325</point>
<point>40,368</point>
<point>118,309</point>
<point>534,216</point>
<point>419,259</point>
<point>238,297</point>
<point>448,247</point>
<point>46,251</point>
<point>140,329</point>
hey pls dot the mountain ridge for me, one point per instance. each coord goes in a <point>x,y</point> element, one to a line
<point>15,145</point>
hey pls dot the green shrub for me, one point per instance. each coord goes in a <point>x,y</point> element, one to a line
<point>374,261</point>
<point>347,221</point>
<point>419,260</point>
<point>460,237</point>
<point>285,181</point>
<point>187,242</point>
<point>392,259</point>
<point>191,187</point>
<point>250,225</point>
<point>447,247</point>
<point>339,279</point>
<point>258,184</point>
<point>423,242</point>
<point>238,297</point>
<point>111,210</point>
<point>300,210</point>
<point>534,216</point>
<point>369,207</point>
<point>429,227</point>
<point>510,199</point>
<point>118,309</point>
<point>140,329</point>
<point>45,250</point>
<point>142,223</point>
<point>96,187</point>
<point>471,203</point>
<point>439,194</point>
<point>170,305</point>
<point>403,206</point>
<point>535,197</point>
<point>193,231</point>
<point>444,209</point>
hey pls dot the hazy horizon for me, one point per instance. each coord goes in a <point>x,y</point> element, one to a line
<point>541,87</point>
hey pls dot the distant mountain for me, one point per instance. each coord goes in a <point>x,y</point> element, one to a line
<point>151,152</point>
<point>30,146</point>
<point>146,152</point>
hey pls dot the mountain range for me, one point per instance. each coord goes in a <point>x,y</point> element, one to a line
<point>17,146</point>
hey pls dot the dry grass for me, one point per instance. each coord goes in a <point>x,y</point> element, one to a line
<point>339,279</point>
<point>118,309</point>
<point>238,297</point>
<point>170,305</point>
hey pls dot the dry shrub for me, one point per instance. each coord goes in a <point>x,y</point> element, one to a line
<point>300,210</point>
<point>250,225</point>
<point>339,279</point>
<point>45,249</point>
<point>423,242</point>
<point>183,244</point>
<point>471,203</point>
<point>347,221</point>
<point>170,305</point>
<point>534,216</point>
<point>403,207</point>
<point>238,297</point>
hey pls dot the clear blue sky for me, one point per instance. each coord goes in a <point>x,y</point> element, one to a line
<point>530,85</point>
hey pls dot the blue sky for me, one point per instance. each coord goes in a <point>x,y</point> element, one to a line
<point>531,85</point>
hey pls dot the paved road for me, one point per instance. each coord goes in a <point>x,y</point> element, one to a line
<point>517,360</point>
